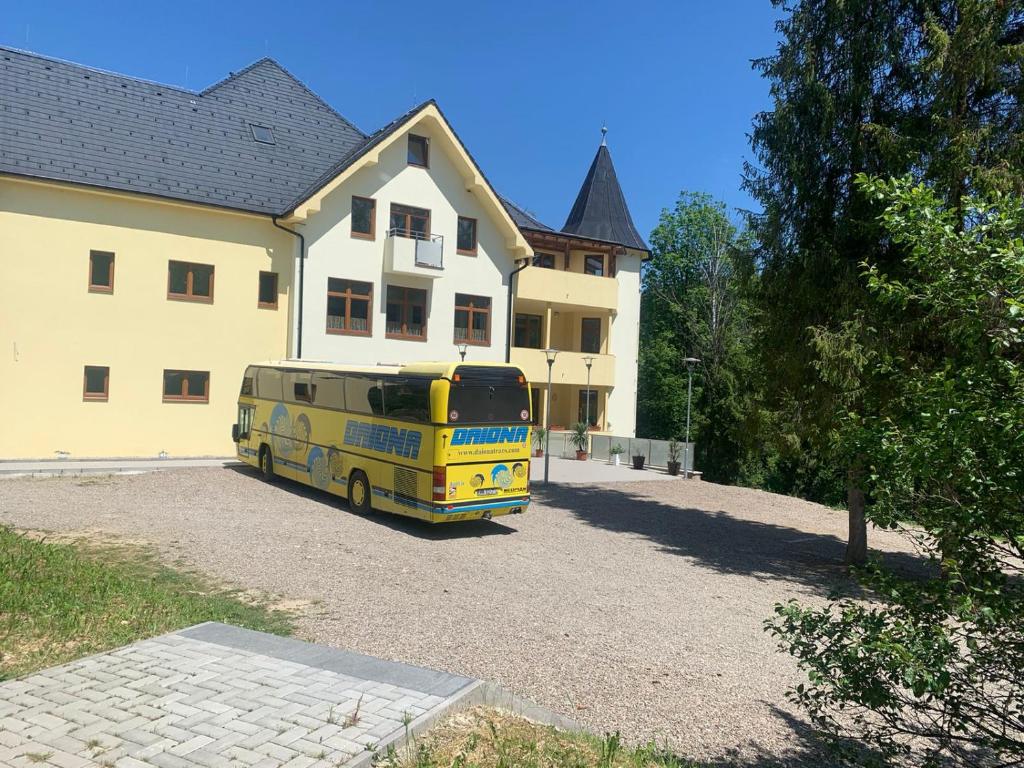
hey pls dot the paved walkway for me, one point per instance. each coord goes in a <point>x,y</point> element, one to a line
<point>215,695</point>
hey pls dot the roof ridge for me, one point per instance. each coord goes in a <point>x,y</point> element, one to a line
<point>99,70</point>
<point>271,60</point>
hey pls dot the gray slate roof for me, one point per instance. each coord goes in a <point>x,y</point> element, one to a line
<point>600,209</point>
<point>523,219</point>
<point>67,122</point>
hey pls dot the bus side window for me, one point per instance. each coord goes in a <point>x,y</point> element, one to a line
<point>268,384</point>
<point>407,399</point>
<point>363,395</point>
<point>329,390</point>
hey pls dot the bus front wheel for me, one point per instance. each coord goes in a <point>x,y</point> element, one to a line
<point>267,464</point>
<point>359,493</point>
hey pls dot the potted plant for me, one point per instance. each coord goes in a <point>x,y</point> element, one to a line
<point>638,461</point>
<point>539,434</point>
<point>616,451</point>
<point>674,447</point>
<point>580,438</point>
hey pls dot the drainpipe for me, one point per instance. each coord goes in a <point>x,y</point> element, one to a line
<point>302,283</point>
<point>508,325</point>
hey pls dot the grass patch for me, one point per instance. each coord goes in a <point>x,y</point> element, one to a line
<point>60,601</point>
<point>489,738</point>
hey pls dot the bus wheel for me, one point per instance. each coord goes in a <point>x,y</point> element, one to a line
<point>359,493</point>
<point>267,464</point>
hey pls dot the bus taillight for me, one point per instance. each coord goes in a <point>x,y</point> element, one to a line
<point>440,481</point>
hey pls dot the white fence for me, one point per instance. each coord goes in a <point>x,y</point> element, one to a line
<point>654,451</point>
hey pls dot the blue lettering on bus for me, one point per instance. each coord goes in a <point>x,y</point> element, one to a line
<point>489,435</point>
<point>384,439</point>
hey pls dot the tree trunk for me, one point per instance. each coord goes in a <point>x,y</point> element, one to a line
<point>857,546</point>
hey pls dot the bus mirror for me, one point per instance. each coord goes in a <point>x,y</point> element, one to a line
<point>234,432</point>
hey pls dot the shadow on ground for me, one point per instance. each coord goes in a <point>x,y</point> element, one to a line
<point>467,529</point>
<point>719,540</point>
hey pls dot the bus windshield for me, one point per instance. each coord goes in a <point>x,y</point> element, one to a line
<point>485,395</point>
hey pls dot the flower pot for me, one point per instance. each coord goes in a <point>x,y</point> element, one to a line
<point>581,455</point>
<point>638,462</point>
<point>615,459</point>
<point>538,453</point>
<point>673,467</point>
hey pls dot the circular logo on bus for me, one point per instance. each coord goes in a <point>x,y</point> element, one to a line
<point>453,415</point>
<point>524,415</point>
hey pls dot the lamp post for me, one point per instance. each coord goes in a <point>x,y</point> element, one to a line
<point>690,362</point>
<point>588,361</point>
<point>550,355</point>
<point>462,350</point>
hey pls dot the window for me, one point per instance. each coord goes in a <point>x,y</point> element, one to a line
<point>245,414</point>
<point>545,260</point>
<point>298,388</point>
<point>407,221</point>
<point>101,272</point>
<point>419,150</point>
<point>364,215</point>
<point>590,335</point>
<point>472,319</point>
<point>593,265</point>
<point>348,306</point>
<point>329,390</point>
<point>97,383</point>
<point>262,134</point>
<point>268,290</point>
<point>270,384</point>
<point>535,401</point>
<point>527,332</point>
<point>189,282</point>
<point>364,395</point>
<point>588,407</point>
<point>186,386</point>
<point>406,313</point>
<point>407,399</point>
<point>467,236</point>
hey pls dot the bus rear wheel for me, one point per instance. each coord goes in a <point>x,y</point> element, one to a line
<point>267,464</point>
<point>359,493</point>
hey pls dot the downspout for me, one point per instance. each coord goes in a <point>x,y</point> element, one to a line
<point>508,324</point>
<point>302,283</point>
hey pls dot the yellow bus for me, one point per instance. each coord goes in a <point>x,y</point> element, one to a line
<point>435,441</point>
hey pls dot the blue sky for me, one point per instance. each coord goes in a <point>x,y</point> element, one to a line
<point>526,84</point>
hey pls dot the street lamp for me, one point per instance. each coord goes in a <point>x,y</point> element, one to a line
<point>462,350</point>
<point>550,355</point>
<point>588,361</point>
<point>690,362</point>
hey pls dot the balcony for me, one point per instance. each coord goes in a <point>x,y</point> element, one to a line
<point>567,290</point>
<point>413,253</point>
<point>569,367</point>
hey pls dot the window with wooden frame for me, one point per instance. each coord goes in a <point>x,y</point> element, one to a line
<point>466,236</point>
<point>588,407</point>
<point>528,331</point>
<point>407,221</point>
<point>545,260</point>
<point>96,384</point>
<point>364,217</point>
<point>472,319</point>
<point>268,290</point>
<point>419,151</point>
<point>190,282</point>
<point>348,307</point>
<point>590,335</point>
<point>593,264</point>
<point>406,313</point>
<point>101,272</point>
<point>186,386</point>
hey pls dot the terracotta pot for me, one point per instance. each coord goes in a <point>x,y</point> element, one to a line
<point>581,455</point>
<point>538,453</point>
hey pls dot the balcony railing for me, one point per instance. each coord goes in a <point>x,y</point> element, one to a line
<point>429,249</point>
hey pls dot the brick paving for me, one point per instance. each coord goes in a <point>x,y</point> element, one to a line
<point>215,696</point>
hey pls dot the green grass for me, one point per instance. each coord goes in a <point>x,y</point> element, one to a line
<point>490,738</point>
<point>60,601</point>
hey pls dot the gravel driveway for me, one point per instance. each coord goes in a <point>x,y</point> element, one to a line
<point>630,606</point>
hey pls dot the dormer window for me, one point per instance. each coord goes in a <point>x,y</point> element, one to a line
<point>419,151</point>
<point>262,134</point>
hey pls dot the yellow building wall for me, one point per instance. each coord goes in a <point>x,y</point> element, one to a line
<point>51,326</point>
